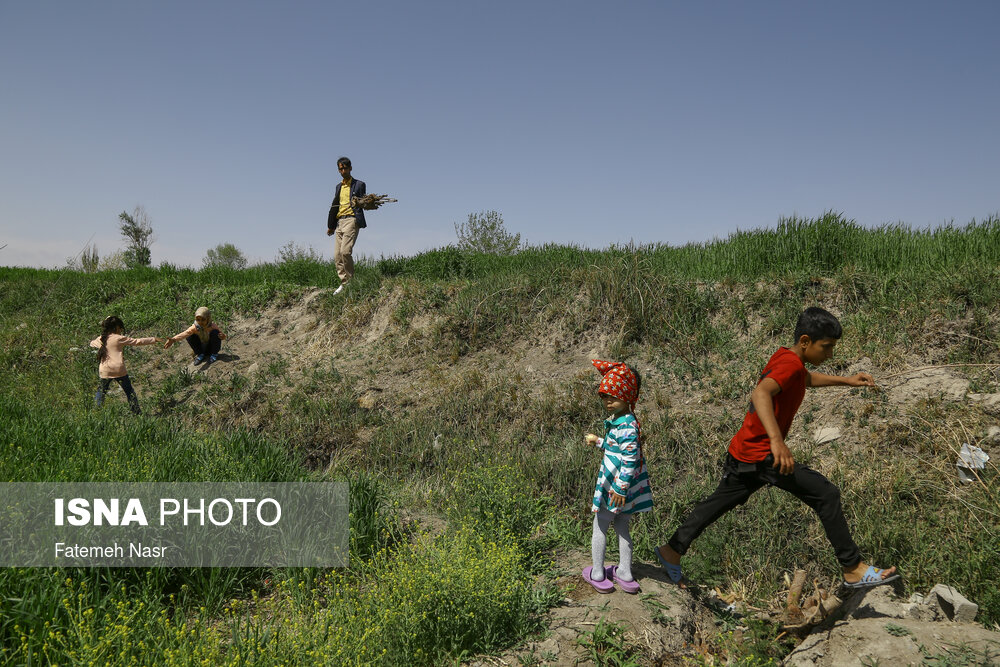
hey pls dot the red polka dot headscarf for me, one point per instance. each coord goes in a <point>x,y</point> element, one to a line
<point>618,381</point>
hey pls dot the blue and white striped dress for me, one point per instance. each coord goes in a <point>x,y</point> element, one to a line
<point>623,468</point>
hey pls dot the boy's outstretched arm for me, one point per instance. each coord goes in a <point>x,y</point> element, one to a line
<point>814,379</point>
<point>762,398</point>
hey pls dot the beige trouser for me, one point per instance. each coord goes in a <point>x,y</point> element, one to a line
<point>343,246</point>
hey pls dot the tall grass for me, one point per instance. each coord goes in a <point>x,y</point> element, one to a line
<point>821,246</point>
<point>71,614</point>
<point>110,445</point>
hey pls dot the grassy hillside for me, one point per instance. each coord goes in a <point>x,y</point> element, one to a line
<point>455,388</point>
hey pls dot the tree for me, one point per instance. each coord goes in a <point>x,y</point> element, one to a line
<point>225,254</point>
<point>485,232</point>
<point>138,234</point>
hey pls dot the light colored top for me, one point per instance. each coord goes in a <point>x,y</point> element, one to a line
<point>623,469</point>
<point>193,329</point>
<point>113,365</point>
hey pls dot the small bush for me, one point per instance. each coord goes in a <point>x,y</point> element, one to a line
<point>113,262</point>
<point>485,232</point>
<point>225,254</point>
<point>292,252</point>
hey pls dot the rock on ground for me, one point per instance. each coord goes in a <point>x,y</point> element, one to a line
<point>880,629</point>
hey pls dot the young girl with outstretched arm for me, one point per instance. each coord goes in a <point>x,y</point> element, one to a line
<point>623,483</point>
<point>111,344</point>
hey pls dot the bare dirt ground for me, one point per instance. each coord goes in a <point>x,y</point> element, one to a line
<point>665,624</point>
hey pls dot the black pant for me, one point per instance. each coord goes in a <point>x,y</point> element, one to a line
<point>126,385</point>
<point>740,480</point>
<point>213,345</point>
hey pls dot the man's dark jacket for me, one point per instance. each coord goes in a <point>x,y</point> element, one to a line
<point>357,190</point>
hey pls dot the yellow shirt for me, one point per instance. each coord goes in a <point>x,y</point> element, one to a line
<point>345,199</point>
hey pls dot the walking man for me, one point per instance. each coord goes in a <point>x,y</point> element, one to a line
<point>344,221</point>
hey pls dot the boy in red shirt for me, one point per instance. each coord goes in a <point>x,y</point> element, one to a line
<point>758,454</point>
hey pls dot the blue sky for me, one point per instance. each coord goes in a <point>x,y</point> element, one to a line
<point>581,122</point>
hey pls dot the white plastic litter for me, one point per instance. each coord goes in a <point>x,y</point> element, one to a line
<point>970,458</point>
<point>825,435</point>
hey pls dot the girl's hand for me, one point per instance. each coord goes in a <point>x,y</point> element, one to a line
<point>591,439</point>
<point>167,345</point>
<point>615,500</point>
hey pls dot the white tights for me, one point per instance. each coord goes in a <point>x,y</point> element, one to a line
<point>599,543</point>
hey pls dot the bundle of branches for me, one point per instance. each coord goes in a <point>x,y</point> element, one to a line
<point>371,202</point>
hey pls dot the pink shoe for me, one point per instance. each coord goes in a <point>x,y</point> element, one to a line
<point>600,586</point>
<point>631,587</point>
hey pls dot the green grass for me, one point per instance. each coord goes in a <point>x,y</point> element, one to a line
<point>606,645</point>
<point>509,473</point>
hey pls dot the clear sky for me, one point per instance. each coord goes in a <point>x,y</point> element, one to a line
<point>580,122</point>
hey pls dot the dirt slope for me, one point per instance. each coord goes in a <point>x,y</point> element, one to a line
<point>666,625</point>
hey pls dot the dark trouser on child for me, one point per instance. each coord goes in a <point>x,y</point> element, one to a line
<point>210,349</point>
<point>740,480</point>
<point>126,385</point>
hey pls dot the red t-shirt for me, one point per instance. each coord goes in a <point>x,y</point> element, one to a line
<point>751,444</point>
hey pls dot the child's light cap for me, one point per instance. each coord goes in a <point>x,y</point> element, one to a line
<point>618,381</point>
<point>203,312</point>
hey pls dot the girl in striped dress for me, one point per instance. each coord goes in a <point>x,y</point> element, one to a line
<point>623,484</point>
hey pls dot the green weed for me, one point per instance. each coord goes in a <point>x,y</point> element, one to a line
<point>606,645</point>
<point>963,655</point>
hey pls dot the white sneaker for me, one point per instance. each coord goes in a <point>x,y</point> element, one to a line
<point>339,289</point>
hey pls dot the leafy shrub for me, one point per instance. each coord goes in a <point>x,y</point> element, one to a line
<point>485,232</point>
<point>292,252</point>
<point>225,254</point>
<point>113,262</point>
